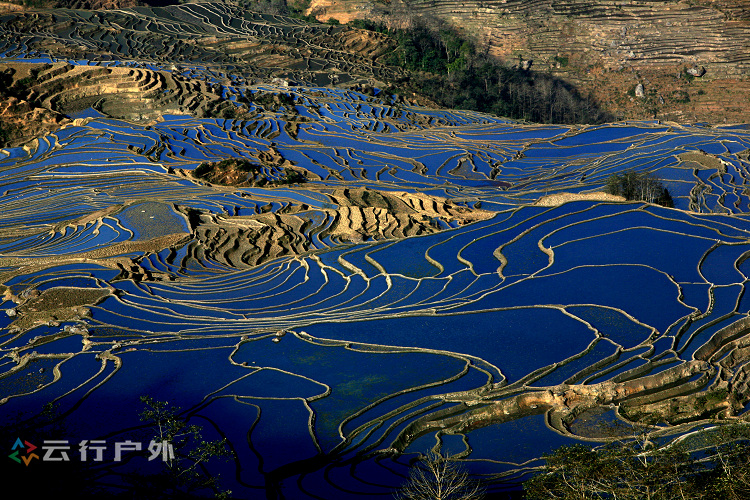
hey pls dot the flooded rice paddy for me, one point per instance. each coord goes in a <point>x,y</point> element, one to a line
<point>330,369</point>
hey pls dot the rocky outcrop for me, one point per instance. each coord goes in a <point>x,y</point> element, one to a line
<point>266,168</point>
<point>360,215</point>
<point>54,306</point>
<point>22,121</point>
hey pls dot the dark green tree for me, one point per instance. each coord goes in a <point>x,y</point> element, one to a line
<point>641,186</point>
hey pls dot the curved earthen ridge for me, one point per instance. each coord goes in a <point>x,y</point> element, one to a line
<point>409,295</point>
<point>221,35</point>
<point>141,95</point>
<point>483,308</point>
<point>360,215</point>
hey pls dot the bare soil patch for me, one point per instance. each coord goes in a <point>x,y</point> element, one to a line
<point>552,200</point>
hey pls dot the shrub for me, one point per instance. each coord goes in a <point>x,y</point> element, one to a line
<point>438,478</point>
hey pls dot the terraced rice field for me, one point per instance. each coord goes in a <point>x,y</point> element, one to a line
<point>331,341</point>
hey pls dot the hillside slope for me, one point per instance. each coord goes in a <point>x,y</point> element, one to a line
<point>604,48</point>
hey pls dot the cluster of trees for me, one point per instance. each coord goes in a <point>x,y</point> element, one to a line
<point>632,471</point>
<point>449,69</point>
<point>642,186</point>
<point>270,101</point>
<point>715,466</point>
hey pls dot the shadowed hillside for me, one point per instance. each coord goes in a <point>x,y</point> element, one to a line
<point>604,48</point>
<point>151,65</point>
